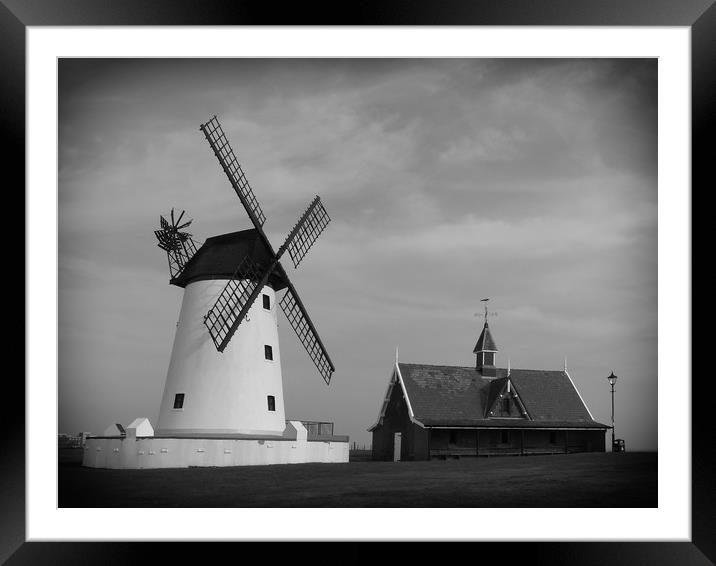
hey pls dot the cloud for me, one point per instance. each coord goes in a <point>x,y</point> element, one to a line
<point>489,144</point>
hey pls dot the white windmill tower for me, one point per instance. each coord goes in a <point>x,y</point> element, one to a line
<point>224,376</point>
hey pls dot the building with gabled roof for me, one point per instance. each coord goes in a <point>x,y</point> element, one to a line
<point>450,411</point>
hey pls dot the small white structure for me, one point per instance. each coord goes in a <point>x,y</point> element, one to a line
<point>140,428</point>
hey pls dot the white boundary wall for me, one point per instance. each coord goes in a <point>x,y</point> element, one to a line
<point>156,452</point>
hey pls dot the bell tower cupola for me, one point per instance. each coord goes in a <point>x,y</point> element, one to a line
<point>485,350</point>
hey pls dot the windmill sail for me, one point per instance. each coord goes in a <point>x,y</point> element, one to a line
<point>220,144</point>
<point>241,291</point>
<point>234,302</point>
<point>307,230</point>
<point>301,323</point>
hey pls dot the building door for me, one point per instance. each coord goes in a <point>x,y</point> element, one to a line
<point>397,441</point>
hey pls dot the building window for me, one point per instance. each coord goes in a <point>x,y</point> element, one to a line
<point>489,358</point>
<point>271,403</point>
<point>553,437</point>
<point>505,437</point>
<point>506,405</point>
<point>179,400</point>
<point>267,302</point>
<point>268,352</point>
<point>453,437</point>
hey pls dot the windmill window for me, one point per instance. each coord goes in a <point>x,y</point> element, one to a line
<point>179,400</point>
<point>271,403</point>
<point>267,301</point>
<point>268,352</point>
<point>489,358</point>
<point>506,405</point>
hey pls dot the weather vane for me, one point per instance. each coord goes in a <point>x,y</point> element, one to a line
<point>487,312</point>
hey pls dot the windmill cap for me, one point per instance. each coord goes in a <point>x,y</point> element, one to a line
<point>220,255</point>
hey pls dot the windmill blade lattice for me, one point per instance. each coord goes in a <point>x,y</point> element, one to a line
<point>307,230</point>
<point>234,302</point>
<point>220,144</point>
<point>303,327</point>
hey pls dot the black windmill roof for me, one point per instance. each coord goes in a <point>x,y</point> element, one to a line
<point>219,257</point>
<point>485,342</point>
<point>460,396</point>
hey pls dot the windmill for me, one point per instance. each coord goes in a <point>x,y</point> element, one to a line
<point>224,374</point>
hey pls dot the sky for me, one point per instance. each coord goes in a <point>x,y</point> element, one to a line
<point>529,181</point>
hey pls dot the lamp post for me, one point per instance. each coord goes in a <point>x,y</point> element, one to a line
<point>612,380</point>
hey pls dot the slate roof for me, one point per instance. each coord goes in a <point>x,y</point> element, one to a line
<point>460,396</point>
<point>219,257</point>
<point>485,341</point>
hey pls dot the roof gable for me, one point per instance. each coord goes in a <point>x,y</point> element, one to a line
<point>499,391</point>
<point>494,390</point>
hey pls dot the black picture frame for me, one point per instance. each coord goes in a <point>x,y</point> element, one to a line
<point>698,15</point>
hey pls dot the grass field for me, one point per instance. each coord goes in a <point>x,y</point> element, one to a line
<point>572,480</point>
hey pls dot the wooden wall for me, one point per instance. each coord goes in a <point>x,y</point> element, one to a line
<point>414,442</point>
<point>492,442</point>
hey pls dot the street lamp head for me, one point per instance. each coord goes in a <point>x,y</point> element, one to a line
<point>612,378</point>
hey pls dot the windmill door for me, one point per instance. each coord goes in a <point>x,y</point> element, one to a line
<point>397,441</point>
